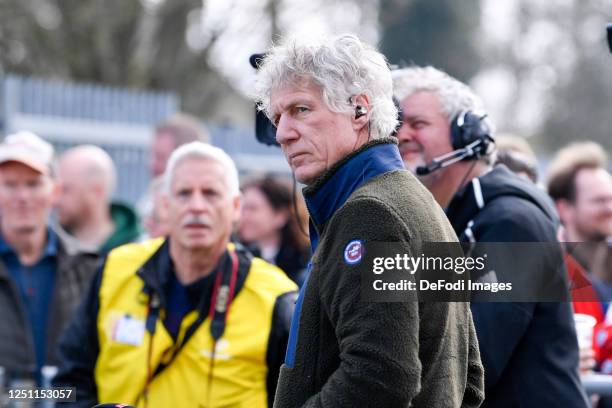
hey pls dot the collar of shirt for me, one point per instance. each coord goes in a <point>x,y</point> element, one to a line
<point>51,246</point>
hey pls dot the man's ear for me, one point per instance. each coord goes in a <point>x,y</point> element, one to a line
<point>566,211</point>
<point>99,190</point>
<point>56,189</point>
<point>237,207</point>
<point>164,200</point>
<point>361,115</point>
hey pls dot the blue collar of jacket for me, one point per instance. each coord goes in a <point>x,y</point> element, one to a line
<point>331,190</point>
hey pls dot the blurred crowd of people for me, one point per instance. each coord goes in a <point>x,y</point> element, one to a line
<point>87,283</point>
<point>60,224</point>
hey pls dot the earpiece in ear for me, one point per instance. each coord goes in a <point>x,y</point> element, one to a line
<point>360,111</point>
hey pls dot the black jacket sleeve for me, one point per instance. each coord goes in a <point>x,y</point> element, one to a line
<point>498,341</point>
<point>78,350</point>
<point>277,342</point>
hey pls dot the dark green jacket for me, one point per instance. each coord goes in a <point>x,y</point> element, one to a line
<point>127,227</point>
<point>347,353</point>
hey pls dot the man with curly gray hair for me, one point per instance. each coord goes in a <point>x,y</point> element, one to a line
<point>331,102</point>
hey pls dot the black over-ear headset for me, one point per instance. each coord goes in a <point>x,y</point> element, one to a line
<point>471,139</point>
<point>468,127</point>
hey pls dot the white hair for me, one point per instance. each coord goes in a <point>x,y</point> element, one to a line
<point>343,66</point>
<point>454,96</point>
<point>205,151</point>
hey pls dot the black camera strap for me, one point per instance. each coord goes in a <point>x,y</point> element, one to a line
<point>220,303</point>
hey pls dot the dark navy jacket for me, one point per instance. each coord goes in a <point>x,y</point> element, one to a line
<point>529,350</point>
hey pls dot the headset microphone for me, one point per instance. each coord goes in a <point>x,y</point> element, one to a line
<point>470,138</point>
<point>473,150</point>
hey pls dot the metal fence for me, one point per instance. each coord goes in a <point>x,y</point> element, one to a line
<point>99,103</point>
<point>121,121</point>
<point>118,120</point>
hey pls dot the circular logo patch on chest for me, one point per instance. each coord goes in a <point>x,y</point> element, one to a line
<point>353,252</point>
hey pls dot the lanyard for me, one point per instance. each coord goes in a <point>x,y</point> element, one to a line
<point>221,299</point>
<point>220,303</point>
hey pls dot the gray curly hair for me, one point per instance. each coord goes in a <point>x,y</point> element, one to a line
<point>455,96</point>
<point>343,66</point>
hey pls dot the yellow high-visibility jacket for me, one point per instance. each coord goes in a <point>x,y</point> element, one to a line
<point>247,356</point>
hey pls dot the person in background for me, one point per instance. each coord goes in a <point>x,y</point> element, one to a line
<point>491,204</point>
<point>271,228</point>
<point>176,131</point>
<point>170,134</point>
<point>186,321</point>
<point>155,219</point>
<point>516,154</point>
<point>87,178</point>
<point>581,188</point>
<point>42,275</point>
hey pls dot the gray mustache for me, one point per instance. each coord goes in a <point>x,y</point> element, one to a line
<point>196,222</point>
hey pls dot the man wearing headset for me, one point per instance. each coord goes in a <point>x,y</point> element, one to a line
<point>529,349</point>
<point>186,321</point>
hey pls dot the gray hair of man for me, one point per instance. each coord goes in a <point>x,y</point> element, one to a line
<point>343,66</point>
<point>455,97</point>
<point>200,150</point>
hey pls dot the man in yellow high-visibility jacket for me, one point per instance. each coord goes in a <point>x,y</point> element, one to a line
<point>189,321</point>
